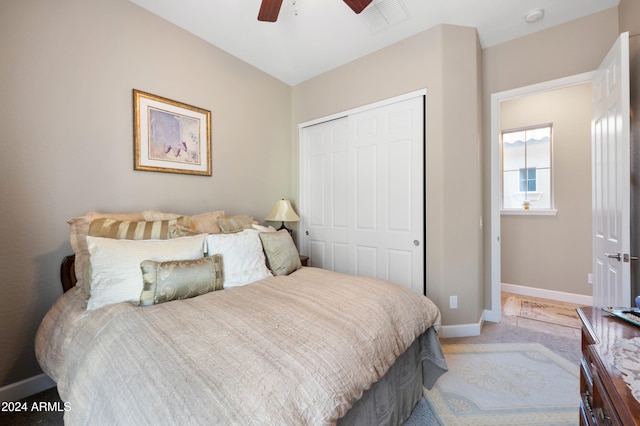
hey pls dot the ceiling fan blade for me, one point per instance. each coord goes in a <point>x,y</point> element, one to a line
<point>358,5</point>
<point>269,10</point>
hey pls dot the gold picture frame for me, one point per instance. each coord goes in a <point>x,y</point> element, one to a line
<point>170,136</point>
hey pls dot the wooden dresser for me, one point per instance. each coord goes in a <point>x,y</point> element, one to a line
<point>606,398</point>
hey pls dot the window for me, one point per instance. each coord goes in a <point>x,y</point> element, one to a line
<point>528,180</point>
<point>526,169</point>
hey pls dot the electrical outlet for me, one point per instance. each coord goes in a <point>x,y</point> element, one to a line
<point>453,302</point>
<point>590,278</point>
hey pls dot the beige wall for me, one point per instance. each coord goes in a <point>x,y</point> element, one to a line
<point>554,252</point>
<point>67,71</point>
<point>628,13</point>
<point>565,50</point>
<point>445,61</point>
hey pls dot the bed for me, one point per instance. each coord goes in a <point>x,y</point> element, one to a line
<point>294,346</point>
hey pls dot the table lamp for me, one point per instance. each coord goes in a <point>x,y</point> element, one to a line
<point>283,212</point>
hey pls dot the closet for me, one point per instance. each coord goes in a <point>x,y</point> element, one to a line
<point>362,196</point>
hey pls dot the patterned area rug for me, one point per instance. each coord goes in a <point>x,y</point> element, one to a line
<point>505,384</point>
<point>542,311</point>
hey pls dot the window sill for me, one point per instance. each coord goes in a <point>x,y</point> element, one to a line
<point>531,212</point>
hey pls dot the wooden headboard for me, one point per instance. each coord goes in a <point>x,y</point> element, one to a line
<point>68,272</point>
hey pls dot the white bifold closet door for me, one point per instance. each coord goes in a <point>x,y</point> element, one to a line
<point>362,193</point>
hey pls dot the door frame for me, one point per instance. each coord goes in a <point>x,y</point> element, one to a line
<point>374,105</point>
<point>494,313</point>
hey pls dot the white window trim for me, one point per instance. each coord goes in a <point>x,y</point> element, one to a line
<point>531,212</point>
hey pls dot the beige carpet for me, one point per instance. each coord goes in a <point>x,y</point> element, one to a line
<point>545,311</point>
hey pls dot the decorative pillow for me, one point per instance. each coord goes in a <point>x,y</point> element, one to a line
<point>243,260</point>
<point>139,230</point>
<point>263,228</point>
<point>282,254</point>
<point>114,265</point>
<point>229,225</point>
<point>156,215</point>
<point>179,279</point>
<point>78,238</point>
<point>204,223</point>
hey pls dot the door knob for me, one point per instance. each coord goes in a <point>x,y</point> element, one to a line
<point>416,242</point>
<point>614,256</point>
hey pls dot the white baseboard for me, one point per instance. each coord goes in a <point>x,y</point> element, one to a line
<point>578,299</point>
<point>27,387</point>
<point>492,316</point>
<point>461,330</point>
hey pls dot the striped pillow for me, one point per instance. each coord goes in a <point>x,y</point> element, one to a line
<point>78,237</point>
<point>141,230</point>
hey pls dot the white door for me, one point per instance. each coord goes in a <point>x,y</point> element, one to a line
<point>324,194</point>
<point>386,164</point>
<point>362,193</point>
<point>611,179</point>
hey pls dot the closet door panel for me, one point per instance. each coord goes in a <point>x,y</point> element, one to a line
<point>317,180</point>
<point>366,261</point>
<point>399,193</point>
<point>399,265</point>
<point>340,253</point>
<point>365,201</point>
<point>364,196</point>
<point>325,194</point>
<point>387,162</point>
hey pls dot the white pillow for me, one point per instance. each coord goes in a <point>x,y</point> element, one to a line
<point>243,260</point>
<point>115,274</point>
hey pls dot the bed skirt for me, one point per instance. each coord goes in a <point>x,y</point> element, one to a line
<point>391,399</point>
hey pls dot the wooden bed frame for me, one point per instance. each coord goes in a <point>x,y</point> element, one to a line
<point>68,272</point>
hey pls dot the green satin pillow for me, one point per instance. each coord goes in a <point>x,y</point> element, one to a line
<point>281,252</point>
<point>179,279</point>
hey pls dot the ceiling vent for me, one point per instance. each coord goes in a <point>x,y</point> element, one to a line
<point>382,14</point>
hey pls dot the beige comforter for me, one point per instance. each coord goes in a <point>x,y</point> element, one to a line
<point>288,350</point>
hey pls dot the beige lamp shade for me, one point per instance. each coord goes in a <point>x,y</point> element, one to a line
<point>283,212</point>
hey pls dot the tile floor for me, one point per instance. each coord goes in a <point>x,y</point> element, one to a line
<point>557,330</point>
<point>564,341</point>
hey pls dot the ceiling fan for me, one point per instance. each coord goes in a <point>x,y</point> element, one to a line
<point>269,9</point>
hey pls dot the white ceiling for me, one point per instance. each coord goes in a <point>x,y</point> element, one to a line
<point>325,34</point>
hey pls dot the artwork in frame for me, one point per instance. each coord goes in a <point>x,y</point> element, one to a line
<point>170,136</point>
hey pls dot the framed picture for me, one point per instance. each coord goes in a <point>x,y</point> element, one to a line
<point>170,136</point>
